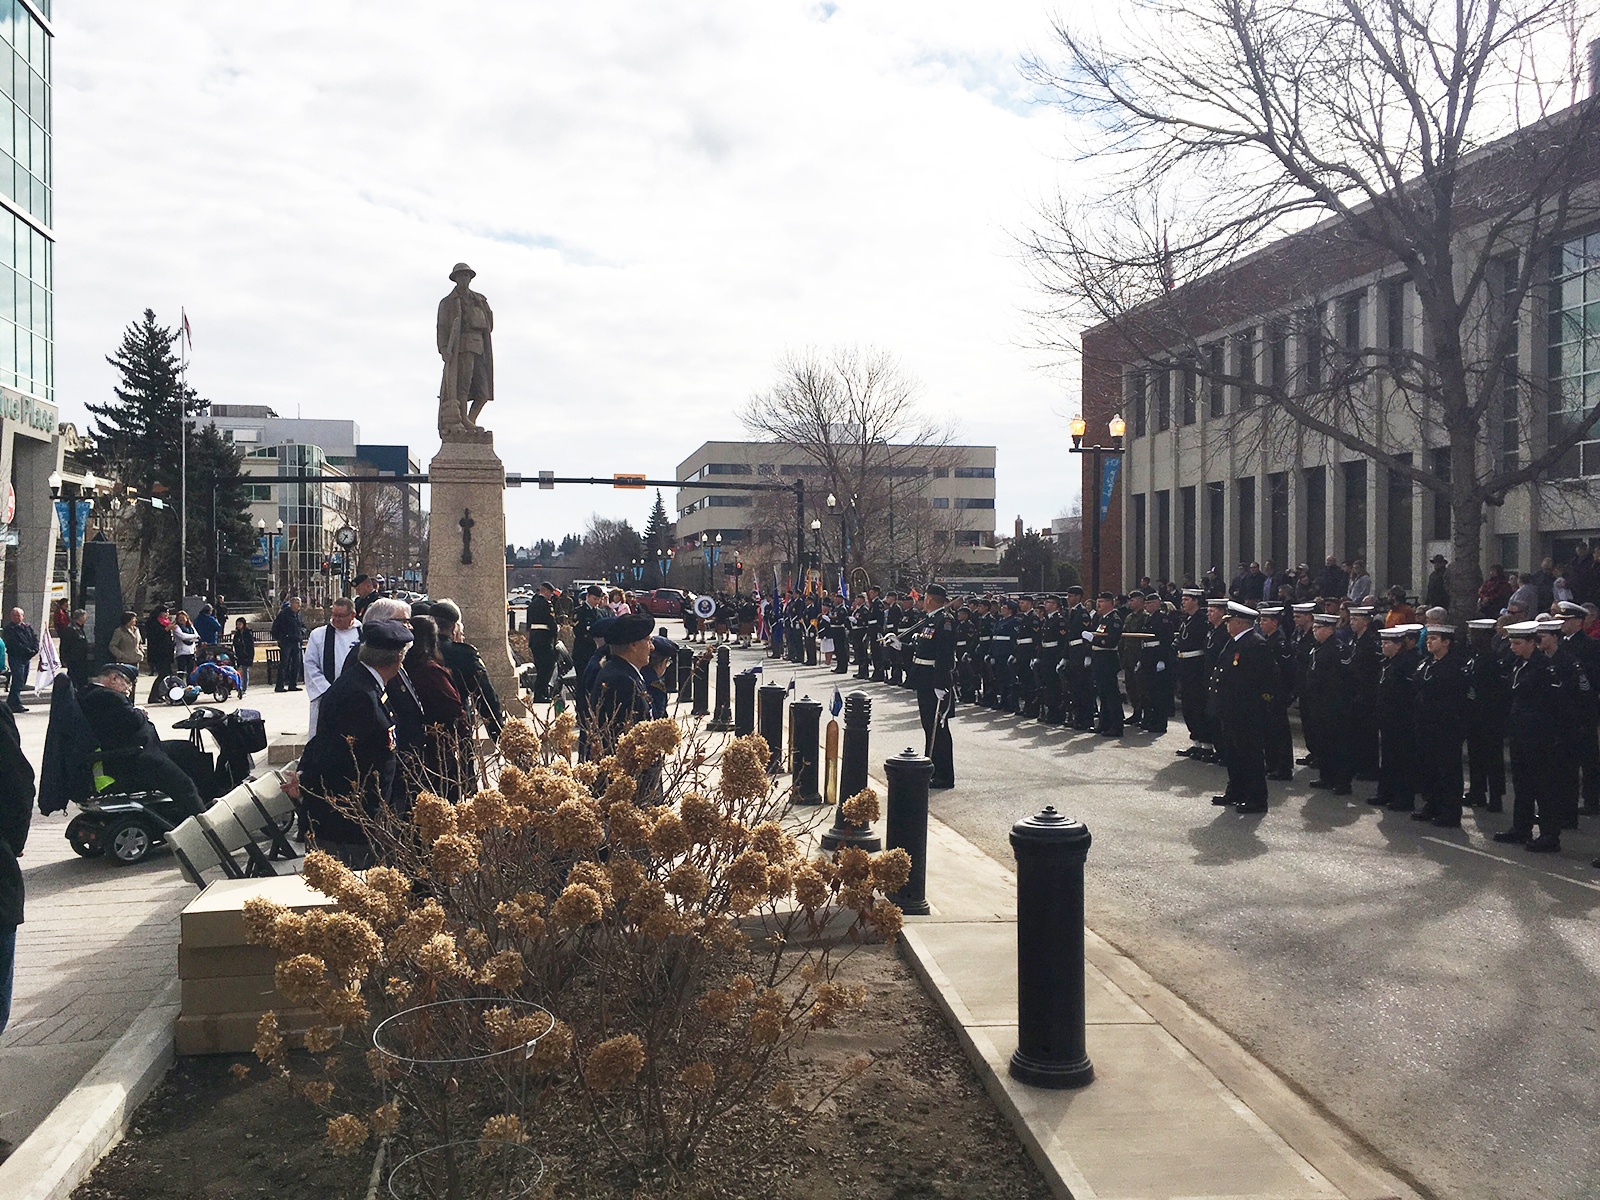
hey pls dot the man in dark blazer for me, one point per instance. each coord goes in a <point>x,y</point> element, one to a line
<point>621,697</point>
<point>1247,685</point>
<point>352,758</point>
<point>16,809</point>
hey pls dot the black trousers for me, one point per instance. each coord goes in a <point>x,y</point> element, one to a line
<point>1243,749</point>
<point>858,646</point>
<point>1532,800</point>
<point>1363,739</point>
<point>289,669</point>
<point>1048,678</point>
<point>935,716</point>
<point>1486,765</point>
<point>1397,766</point>
<point>542,646</point>
<point>1279,740</point>
<point>1439,773</point>
<point>1192,691</point>
<point>1588,749</point>
<point>1088,698</point>
<point>153,771</point>
<point>841,654</point>
<point>1109,691</point>
<point>1334,761</point>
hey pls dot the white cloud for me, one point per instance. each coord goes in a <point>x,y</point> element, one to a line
<point>658,199</point>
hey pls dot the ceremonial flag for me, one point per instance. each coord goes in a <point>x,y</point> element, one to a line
<point>836,705</point>
<point>183,321</point>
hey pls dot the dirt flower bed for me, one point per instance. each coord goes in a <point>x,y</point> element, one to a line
<point>915,1124</point>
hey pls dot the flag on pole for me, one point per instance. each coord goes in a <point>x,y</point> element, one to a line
<point>836,705</point>
<point>188,334</point>
<point>791,685</point>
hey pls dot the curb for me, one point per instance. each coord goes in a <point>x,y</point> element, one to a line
<point>63,1149</point>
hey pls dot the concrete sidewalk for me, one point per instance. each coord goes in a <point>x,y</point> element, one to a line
<point>1177,1109</point>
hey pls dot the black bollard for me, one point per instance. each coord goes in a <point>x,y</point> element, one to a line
<point>723,721</point>
<point>744,704</point>
<point>701,686</point>
<point>685,672</point>
<point>905,823</point>
<point>1051,1048</point>
<point>805,720</point>
<point>853,777</point>
<point>772,726</point>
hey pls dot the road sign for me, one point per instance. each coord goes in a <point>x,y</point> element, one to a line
<point>629,481</point>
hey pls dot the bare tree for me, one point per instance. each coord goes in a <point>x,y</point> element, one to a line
<point>1420,143</point>
<point>853,415</point>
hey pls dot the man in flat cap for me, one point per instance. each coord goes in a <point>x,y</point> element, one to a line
<point>349,768</point>
<point>133,752</point>
<point>465,326</point>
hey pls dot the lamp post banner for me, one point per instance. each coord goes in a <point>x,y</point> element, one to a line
<point>1108,483</point>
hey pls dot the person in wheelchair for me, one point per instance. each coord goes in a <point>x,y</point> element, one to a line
<point>132,751</point>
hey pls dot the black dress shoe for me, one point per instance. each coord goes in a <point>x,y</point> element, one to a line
<point>1380,801</point>
<point>1250,808</point>
<point>1447,822</point>
<point>1423,814</point>
<point>1545,843</point>
<point>1282,776</point>
<point>1344,789</point>
<point>1404,806</point>
<point>1596,864</point>
<point>1305,761</point>
<point>1591,809</point>
<point>1510,837</point>
<point>1185,752</point>
<point>1221,801</point>
<point>1320,784</point>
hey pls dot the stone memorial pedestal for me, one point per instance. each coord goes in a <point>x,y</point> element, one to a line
<point>466,549</point>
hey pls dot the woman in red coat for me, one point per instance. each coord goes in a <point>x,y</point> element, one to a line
<point>442,711</point>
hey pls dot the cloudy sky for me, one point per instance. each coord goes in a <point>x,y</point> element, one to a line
<point>659,200</point>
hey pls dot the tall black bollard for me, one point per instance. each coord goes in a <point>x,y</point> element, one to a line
<point>701,686</point>
<point>906,823</point>
<point>1051,1048</point>
<point>744,704</point>
<point>723,721</point>
<point>805,720</point>
<point>853,777</point>
<point>685,672</point>
<point>771,706</point>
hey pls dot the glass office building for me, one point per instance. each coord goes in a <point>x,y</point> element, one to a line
<point>27,334</point>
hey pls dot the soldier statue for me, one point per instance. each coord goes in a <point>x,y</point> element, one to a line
<point>465,325</point>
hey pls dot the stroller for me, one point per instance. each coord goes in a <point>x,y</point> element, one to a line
<point>120,822</point>
<point>217,677</point>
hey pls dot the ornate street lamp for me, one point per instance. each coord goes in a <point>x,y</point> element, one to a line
<point>1079,428</point>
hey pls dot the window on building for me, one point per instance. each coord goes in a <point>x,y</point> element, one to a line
<point>1138,535</point>
<point>1439,465</point>
<point>974,501</point>
<point>1397,529</point>
<point>1394,314</point>
<point>766,468</point>
<point>969,537</point>
<point>1311,335</point>
<point>974,472</point>
<point>729,501</point>
<point>1574,352</point>
<point>258,493</point>
<point>1163,399</point>
<point>1216,397</point>
<point>1350,322</point>
<point>1278,355</point>
<point>1278,518</point>
<point>941,501</point>
<point>1217,525</point>
<point>1355,509</point>
<point>1134,403</point>
<point>1245,486</point>
<point>1316,504</point>
<point>1186,406</point>
<point>1163,535</point>
<point>1186,540</point>
<point>1244,356</point>
<point>1509,548</point>
<point>728,469</point>
<point>941,472</point>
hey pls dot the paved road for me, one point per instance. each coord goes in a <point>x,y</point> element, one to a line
<point>1437,994</point>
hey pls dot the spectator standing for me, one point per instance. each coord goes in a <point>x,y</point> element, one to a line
<point>158,647</point>
<point>1524,594</point>
<point>208,627</point>
<point>328,651</point>
<point>1544,579</point>
<point>443,712</point>
<point>1494,593</point>
<point>244,651</point>
<point>126,645</point>
<point>16,809</point>
<point>1562,587</point>
<point>185,645</point>
<point>1437,593</point>
<point>22,643</point>
<point>289,632</point>
<point>1360,582</point>
<point>75,647</point>
<point>1334,580</point>
<point>462,657</point>
<point>364,590</point>
<point>60,618</point>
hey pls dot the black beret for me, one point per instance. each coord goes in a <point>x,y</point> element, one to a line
<point>385,635</point>
<point>937,589</point>
<point>600,627</point>
<point>422,608</point>
<point>359,580</point>
<point>1074,590</point>
<point>1105,596</point>
<point>634,627</point>
<point>446,612</point>
<point>594,589</point>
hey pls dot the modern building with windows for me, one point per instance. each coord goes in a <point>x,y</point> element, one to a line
<point>1210,477</point>
<point>945,495</point>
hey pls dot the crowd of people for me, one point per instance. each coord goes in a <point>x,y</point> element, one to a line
<point>1388,691</point>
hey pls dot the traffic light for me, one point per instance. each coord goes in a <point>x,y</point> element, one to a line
<point>738,567</point>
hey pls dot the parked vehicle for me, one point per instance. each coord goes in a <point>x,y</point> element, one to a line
<point>663,602</point>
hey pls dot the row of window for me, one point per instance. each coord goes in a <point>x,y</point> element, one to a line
<point>1573,355</point>
<point>24,34</point>
<point>804,469</point>
<point>964,502</point>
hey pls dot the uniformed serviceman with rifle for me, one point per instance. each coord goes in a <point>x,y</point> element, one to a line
<point>932,674</point>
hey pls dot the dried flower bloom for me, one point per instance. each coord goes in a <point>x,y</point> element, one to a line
<point>386,1119</point>
<point>520,919</point>
<point>626,877</point>
<point>663,924</point>
<point>810,889</point>
<point>346,1133</point>
<point>890,870</point>
<point>475,942</point>
<point>419,927</point>
<point>630,829</point>
<point>577,905</point>
<point>397,989</point>
<point>669,838</point>
<point>862,808</point>
<point>698,1077</point>
<point>269,1042</point>
<point>742,987</point>
<point>321,1038</point>
<point>380,1064</point>
<point>769,838</point>
<point>854,865</point>
<point>301,978</point>
<point>646,744</point>
<point>505,1127</point>
<point>561,735</point>
<point>332,878</point>
<point>392,885</point>
<point>554,1050</point>
<point>514,784</point>
<point>781,1095</point>
<point>886,920</point>
<point>433,816</point>
<point>503,972</point>
<point>318,1091</point>
<point>260,920</point>
<point>719,1004</point>
<point>586,773</point>
<point>519,743</point>
<point>744,771</point>
<point>688,882</point>
<point>766,1027</point>
<point>345,1007</point>
<point>593,875</point>
<point>453,854</point>
<point>441,958</point>
<point>620,789</point>
<point>239,1071</point>
<point>348,943</point>
<point>857,896</point>
<point>576,826</point>
<point>701,817</point>
<point>485,811</point>
<point>614,1062</point>
<point>748,872</point>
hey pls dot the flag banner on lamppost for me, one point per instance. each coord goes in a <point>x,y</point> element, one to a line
<point>1108,483</point>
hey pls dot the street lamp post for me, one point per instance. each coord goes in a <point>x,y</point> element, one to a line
<point>664,562</point>
<point>638,571</point>
<point>816,537</point>
<point>274,542</point>
<point>713,552</point>
<point>1116,428</point>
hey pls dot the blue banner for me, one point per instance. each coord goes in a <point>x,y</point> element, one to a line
<point>73,536</point>
<point>1108,482</point>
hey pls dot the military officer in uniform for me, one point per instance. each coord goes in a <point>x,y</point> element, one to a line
<point>1328,706</point>
<point>1539,705</point>
<point>933,649</point>
<point>1488,705</point>
<point>1279,739</point>
<point>1190,648</point>
<point>542,640</point>
<point>1001,654</point>
<point>1441,728</point>
<point>620,697</point>
<point>1080,668</point>
<point>1564,746</point>
<point>1364,662</point>
<point>861,635</point>
<point>1027,702</point>
<point>1154,667</point>
<point>1047,667</point>
<point>1245,683</point>
<point>1396,720</point>
<point>1585,653</point>
<point>1105,643</point>
<point>590,610</point>
<point>1133,621</point>
<point>1216,643</point>
<point>1304,643</point>
<point>966,641</point>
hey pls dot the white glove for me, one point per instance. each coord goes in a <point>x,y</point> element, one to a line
<point>940,693</point>
<point>1088,636</point>
<point>1161,664</point>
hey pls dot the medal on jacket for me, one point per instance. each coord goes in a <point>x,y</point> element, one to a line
<point>1236,660</point>
<point>391,737</point>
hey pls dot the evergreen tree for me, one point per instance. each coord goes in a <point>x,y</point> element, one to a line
<point>219,553</point>
<point>657,538</point>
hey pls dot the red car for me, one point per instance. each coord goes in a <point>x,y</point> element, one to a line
<point>662,602</point>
